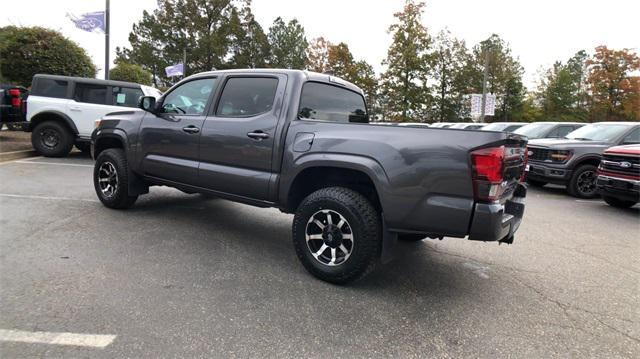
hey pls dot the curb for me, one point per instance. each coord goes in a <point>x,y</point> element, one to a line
<point>16,155</point>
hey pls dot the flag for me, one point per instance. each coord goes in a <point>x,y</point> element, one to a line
<point>174,70</point>
<point>91,21</point>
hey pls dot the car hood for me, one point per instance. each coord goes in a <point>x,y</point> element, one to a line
<point>563,143</point>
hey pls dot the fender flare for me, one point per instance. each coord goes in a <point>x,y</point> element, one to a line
<point>66,119</point>
<point>136,184</point>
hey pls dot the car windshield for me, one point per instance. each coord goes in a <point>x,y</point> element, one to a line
<point>534,130</point>
<point>598,132</point>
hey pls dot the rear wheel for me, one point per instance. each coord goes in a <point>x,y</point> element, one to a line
<point>583,182</point>
<point>111,179</point>
<point>337,234</point>
<point>618,203</point>
<point>52,139</point>
<point>536,183</point>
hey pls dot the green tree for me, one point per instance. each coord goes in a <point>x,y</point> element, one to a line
<point>408,61</point>
<point>131,73</point>
<point>288,44</point>
<point>449,56</point>
<point>26,51</point>
<point>561,90</point>
<point>251,47</point>
<point>504,77</point>
<point>201,27</point>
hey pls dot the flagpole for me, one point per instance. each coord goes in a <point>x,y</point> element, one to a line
<point>106,41</point>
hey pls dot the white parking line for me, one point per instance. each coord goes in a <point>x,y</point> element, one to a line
<point>52,163</point>
<point>47,197</point>
<point>80,340</point>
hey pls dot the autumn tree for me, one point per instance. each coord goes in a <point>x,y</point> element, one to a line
<point>318,55</point>
<point>288,44</point>
<point>614,92</point>
<point>408,62</point>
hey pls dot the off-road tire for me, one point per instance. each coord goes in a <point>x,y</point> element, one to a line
<point>120,198</point>
<point>574,187</point>
<point>364,221</point>
<point>52,139</point>
<point>618,203</point>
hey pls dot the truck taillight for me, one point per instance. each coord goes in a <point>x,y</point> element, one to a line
<point>15,97</point>
<point>488,170</point>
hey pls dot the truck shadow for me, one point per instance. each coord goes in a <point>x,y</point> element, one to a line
<point>263,236</point>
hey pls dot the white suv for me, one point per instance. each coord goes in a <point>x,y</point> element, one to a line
<point>61,110</point>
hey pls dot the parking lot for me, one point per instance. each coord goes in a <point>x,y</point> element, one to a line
<point>187,276</point>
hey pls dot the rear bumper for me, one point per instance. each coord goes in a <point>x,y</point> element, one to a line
<point>498,221</point>
<point>620,188</point>
<point>557,174</point>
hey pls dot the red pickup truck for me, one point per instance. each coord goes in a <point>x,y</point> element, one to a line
<point>619,176</point>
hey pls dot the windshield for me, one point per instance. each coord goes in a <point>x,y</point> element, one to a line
<point>534,130</point>
<point>598,132</point>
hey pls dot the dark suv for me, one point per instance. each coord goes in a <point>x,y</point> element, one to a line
<point>573,161</point>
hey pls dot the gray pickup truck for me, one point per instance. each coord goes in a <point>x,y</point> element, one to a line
<point>302,142</point>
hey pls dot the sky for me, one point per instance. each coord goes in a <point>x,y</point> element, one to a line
<point>539,32</point>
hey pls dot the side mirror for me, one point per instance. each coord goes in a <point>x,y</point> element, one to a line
<point>147,103</point>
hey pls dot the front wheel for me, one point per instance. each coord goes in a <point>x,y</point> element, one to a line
<point>337,234</point>
<point>583,182</point>
<point>618,203</point>
<point>111,179</point>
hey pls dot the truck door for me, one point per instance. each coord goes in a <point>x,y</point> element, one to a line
<point>169,139</point>
<point>237,139</point>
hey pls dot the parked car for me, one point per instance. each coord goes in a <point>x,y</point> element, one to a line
<point>12,105</point>
<point>619,176</point>
<point>413,124</point>
<point>468,125</point>
<point>503,126</point>
<point>441,124</point>
<point>537,130</point>
<point>61,110</point>
<point>573,161</point>
<point>301,142</point>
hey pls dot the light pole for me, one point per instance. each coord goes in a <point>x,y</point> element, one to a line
<point>484,82</point>
<point>106,41</point>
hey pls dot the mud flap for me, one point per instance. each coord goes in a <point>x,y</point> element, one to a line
<point>389,241</point>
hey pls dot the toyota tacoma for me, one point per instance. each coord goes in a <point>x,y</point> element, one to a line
<point>301,142</point>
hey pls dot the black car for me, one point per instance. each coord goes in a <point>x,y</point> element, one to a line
<point>13,107</point>
<point>537,130</point>
<point>573,161</point>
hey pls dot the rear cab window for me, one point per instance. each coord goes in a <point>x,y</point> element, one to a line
<point>324,102</point>
<point>90,93</point>
<point>50,88</point>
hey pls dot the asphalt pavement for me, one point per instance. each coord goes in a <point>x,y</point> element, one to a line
<point>187,276</point>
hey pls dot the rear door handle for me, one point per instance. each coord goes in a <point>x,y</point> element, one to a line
<point>258,135</point>
<point>191,129</point>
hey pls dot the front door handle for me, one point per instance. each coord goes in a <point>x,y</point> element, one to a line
<point>258,135</point>
<point>191,129</point>
<point>74,108</point>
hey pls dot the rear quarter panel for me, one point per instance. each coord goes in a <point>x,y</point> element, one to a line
<point>422,175</point>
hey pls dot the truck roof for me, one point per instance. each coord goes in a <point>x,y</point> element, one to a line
<point>88,80</point>
<point>301,74</point>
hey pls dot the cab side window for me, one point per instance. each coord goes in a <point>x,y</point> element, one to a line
<point>90,93</point>
<point>322,102</point>
<point>189,98</point>
<point>125,96</point>
<point>247,96</point>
